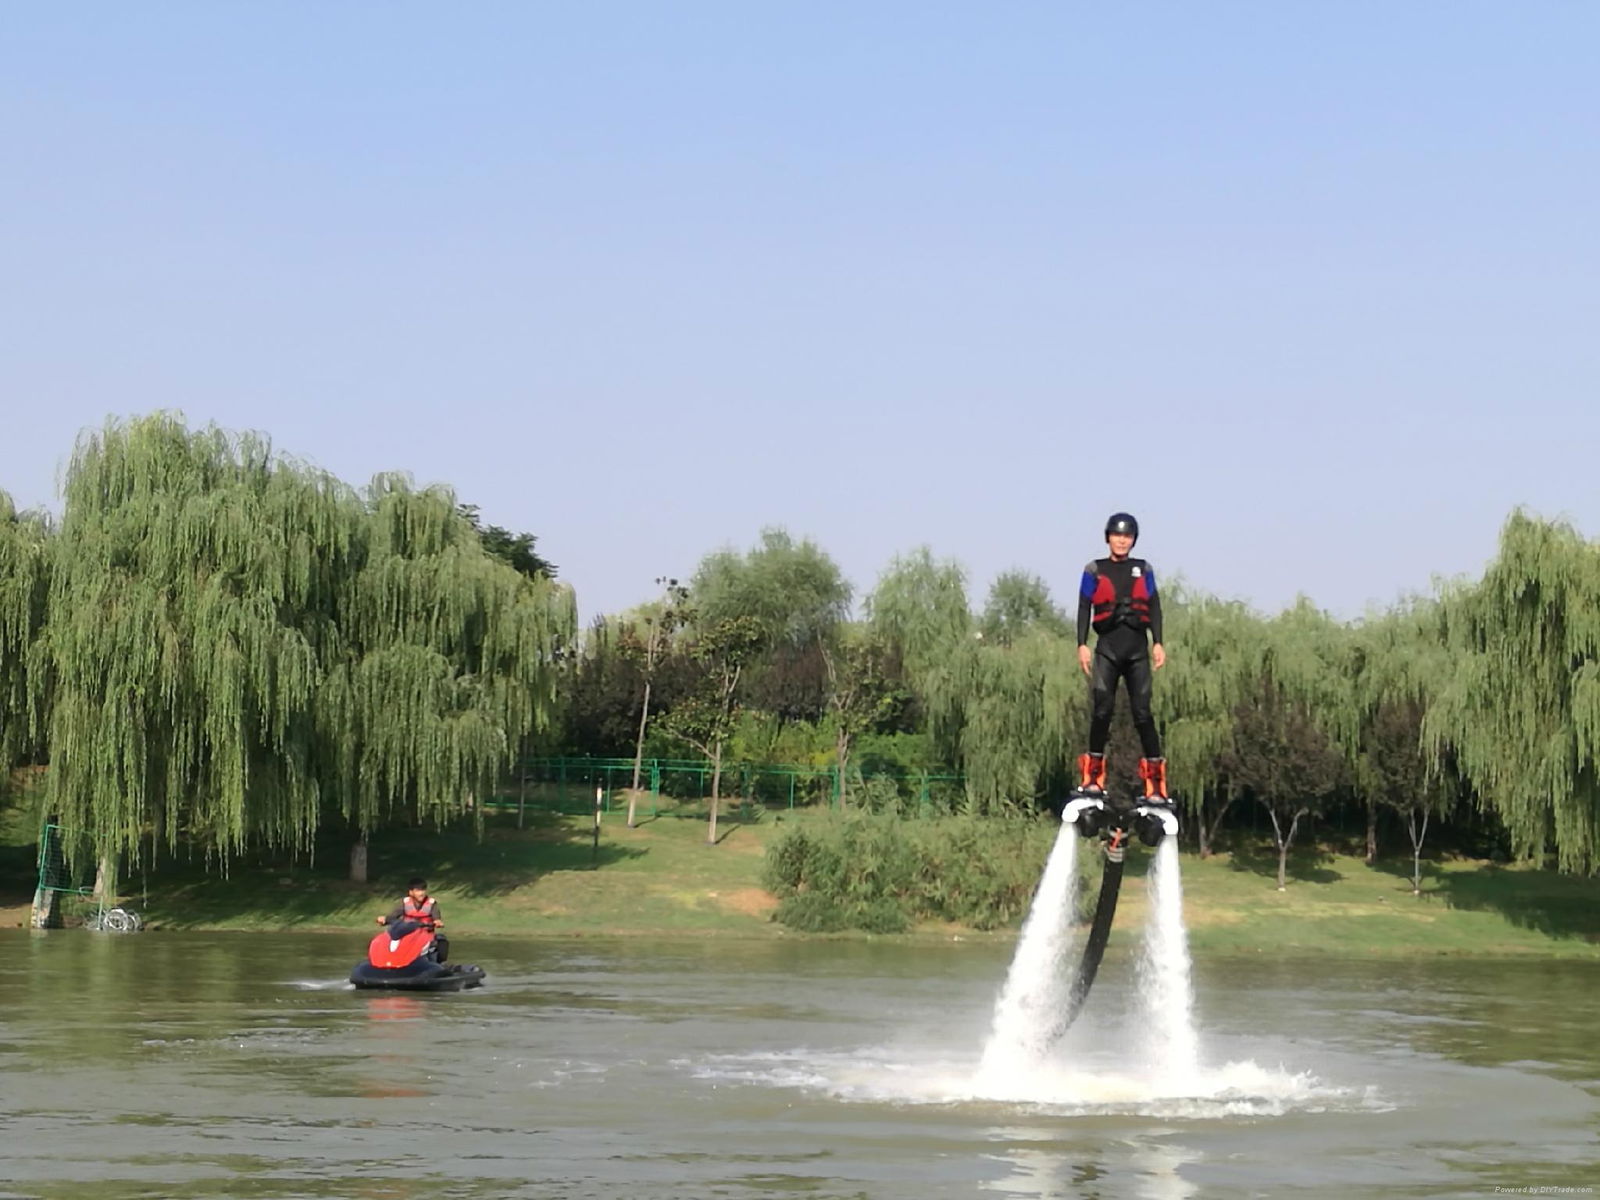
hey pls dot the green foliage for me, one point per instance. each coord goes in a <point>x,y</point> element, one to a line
<point>221,644</point>
<point>25,549</point>
<point>866,689</point>
<point>865,692</point>
<point>1310,662</point>
<point>1006,711</point>
<point>762,737</point>
<point>792,591</point>
<point>1520,704</point>
<point>920,608</point>
<point>1504,677</point>
<point>1280,755</point>
<point>1402,665</point>
<point>762,620</point>
<point>879,871</point>
<point>1214,660</point>
<point>896,751</point>
<point>516,550</point>
<point>1013,716</point>
<point>603,690</point>
<point>881,794</point>
<point>813,912</point>
<point>1019,603</point>
<point>241,645</point>
<point>707,716</point>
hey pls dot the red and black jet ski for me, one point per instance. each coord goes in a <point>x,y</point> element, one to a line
<point>405,956</point>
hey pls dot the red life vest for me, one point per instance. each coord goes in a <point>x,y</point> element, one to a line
<point>1111,610</point>
<point>422,913</point>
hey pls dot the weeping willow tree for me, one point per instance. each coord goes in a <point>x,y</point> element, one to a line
<point>920,607</point>
<point>1011,697</point>
<point>1521,708</point>
<point>1018,603</point>
<point>1008,702</point>
<point>1015,715</point>
<point>24,595</point>
<point>1400,667</point>
<point>1294,736</point>
<point>1007,709</point>
<point>1215,650</point>
<point>241,645</point>
<point>1311,659</point>
<point>446,662</point>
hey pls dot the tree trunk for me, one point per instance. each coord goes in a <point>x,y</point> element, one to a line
<point>638,746</point>
<point>358,860</point>
<point>716,790</point>
<point>158,833</point>
<point>522,795</point>
<point>45,914</point>
<point>1284,842</point>
<point>1208,831</point>
<point>106,883</point>
<point>638,756</point>
<point>1372,831</point>
<point>1417,836</point>
<point>842,750</point>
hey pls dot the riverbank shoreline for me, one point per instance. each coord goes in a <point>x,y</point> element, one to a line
<point>549,879</point>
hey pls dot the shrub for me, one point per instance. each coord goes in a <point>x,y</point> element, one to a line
<point>880,871</point>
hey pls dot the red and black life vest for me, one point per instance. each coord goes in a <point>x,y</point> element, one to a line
<point>1122,597</point>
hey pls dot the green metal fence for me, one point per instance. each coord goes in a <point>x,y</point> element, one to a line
<point>62,894</point>
<point>55,875</point>
<point>787,786</point>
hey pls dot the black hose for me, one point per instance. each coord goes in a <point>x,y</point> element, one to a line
<point>1105,910</point>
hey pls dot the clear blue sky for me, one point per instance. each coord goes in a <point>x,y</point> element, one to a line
<point>1281,278</point>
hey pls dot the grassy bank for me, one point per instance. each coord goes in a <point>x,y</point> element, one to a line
<point>1339,905</point>
<point>662,879</point>
<point>546,878</point>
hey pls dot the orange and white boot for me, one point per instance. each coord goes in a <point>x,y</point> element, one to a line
<point>1092,772</point>
<point>1153,771</point>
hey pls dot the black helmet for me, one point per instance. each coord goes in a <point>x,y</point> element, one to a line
<point>1122,523</point>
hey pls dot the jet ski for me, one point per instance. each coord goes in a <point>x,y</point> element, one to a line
<point>405,956</point>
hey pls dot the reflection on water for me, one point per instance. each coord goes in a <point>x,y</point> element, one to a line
<point>1045,1169</point>
<point>397,1058</point>
<point>383,1008</point>
<point>173,1065</point>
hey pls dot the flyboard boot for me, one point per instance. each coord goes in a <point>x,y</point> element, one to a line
<point>1087,800</point>
<point>1153,774</point>
<point>1155,818</point>
<point>1092,774</point>
<point>1098,814</point>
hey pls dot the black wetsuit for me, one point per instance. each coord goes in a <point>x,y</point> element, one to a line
<point>1119,600</point>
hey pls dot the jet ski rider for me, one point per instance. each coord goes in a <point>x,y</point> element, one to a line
<point>416,905</point>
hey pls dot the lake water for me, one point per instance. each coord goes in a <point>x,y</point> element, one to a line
<point>233,1065</point>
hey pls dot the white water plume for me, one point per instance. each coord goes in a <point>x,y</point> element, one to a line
<point>1027,1015</point>
<point>1037,985</point>
<point>1165,995</point>
<point>1144,1059</point>
<point>1102,1083</point>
